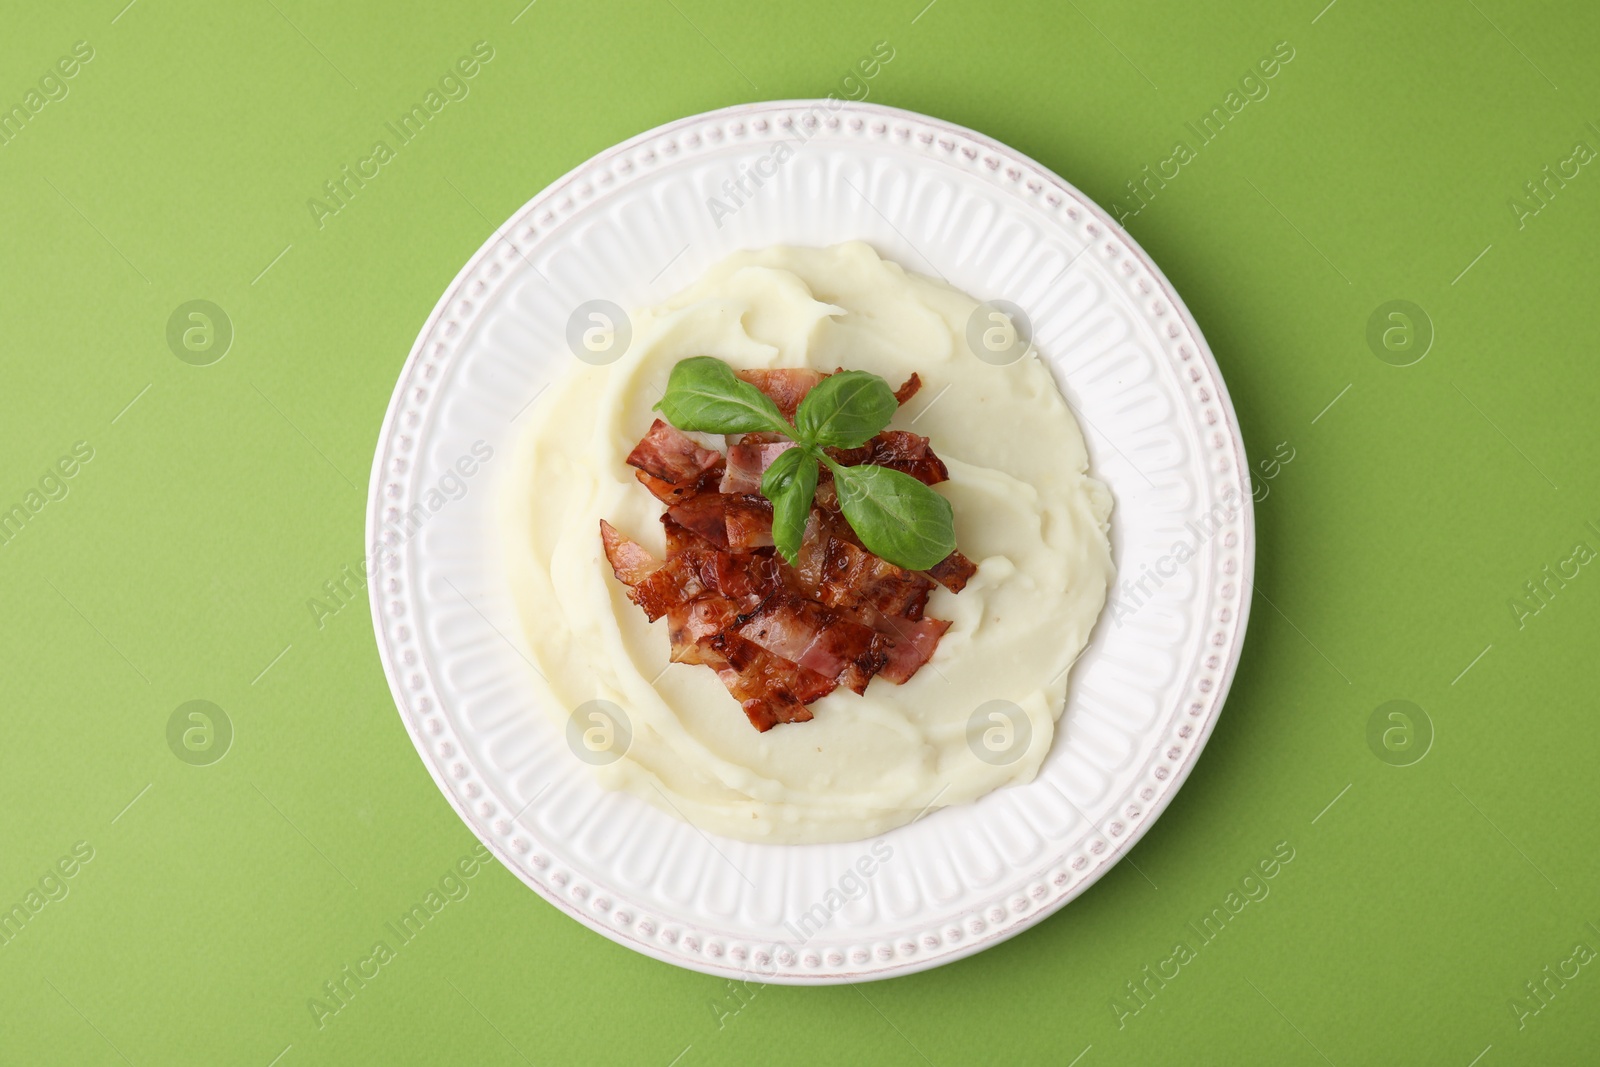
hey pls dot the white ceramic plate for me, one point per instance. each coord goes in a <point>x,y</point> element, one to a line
<point>632,226</point>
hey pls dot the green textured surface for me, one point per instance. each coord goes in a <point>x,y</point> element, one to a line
<point>1379,166</point>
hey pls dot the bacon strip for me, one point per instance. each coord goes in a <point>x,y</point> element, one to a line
<point>909,389</point>
<point>705,515</point>
<point>669,493</point>
<point>854,578</point>
<point>747,579</point>
<point>953,571</point>
<point>908,453</point>
<point>747,463</point>
<point>786,387</point>
<point>911,645</point>
<point>629,561</point>
<point>690,624</point>
<point>770,689</point>
<point>748,521</point>
<point>668,454</point>
<point>653,585</point>
<point>898,450</point>
<point>808,634</point>
<point>813,554</point>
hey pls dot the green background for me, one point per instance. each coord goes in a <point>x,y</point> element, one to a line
<point>219,898</point>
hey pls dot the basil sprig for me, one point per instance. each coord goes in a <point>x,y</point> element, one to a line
<point>897,517</point>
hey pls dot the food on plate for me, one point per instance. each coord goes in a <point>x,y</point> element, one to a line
<point>997,445</point>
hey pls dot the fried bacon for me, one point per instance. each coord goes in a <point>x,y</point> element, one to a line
<point>908,453</point>
<point>786,387</point>
<point>953,571</point>
<point>706,515</point>
<point>747,462</point>
<point>908,389</point>
<point>778,636</point>
<point>629,561</point>
<point>898,450</point>
<point>769,688</point>
<point>853,578</point>
<point>748,521</point>
<point>910,645</point>
<point>670,493</point>
<point>806,633</point>
<point>668,454</point>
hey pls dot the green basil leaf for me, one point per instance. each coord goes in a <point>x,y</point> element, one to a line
<point>897,517</point>
<point>845,409</point>
<point>702,394</point>
<point>790,483</point>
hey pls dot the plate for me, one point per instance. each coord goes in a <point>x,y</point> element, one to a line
<point>635,224</point>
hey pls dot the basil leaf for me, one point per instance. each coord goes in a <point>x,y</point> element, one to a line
<point>703,394</point>
<point>790,483</point>
<point>845,409</point>
<point>897,517</point>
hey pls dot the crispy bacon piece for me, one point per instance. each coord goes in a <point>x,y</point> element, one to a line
<point>899,450</point>
<point>908,453</point>
<point>853,578</point>
<point>769,688</point>
<point>813,554</point>
<point>690,624</point>
<point>847,457</point>
<point>705,515</point>
<point>909,389</point>
<point>748,521</point>
<point>675,583</point>
<point>747,579</point>
<point>953,571</point>
<point>748,462</point>
<point>911,644</point>
<point>668,454</point>
<point>806,633</point>
<point>778,636</point>
<point>786,387</point>
<point>653,585</point>
<point>629,561</point>
<point>697,555</point>
<point>669,493</point>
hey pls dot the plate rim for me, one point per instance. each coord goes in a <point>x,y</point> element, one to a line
<point>994,935</point>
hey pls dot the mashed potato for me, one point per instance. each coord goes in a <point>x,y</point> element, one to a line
<point>980,715</point>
